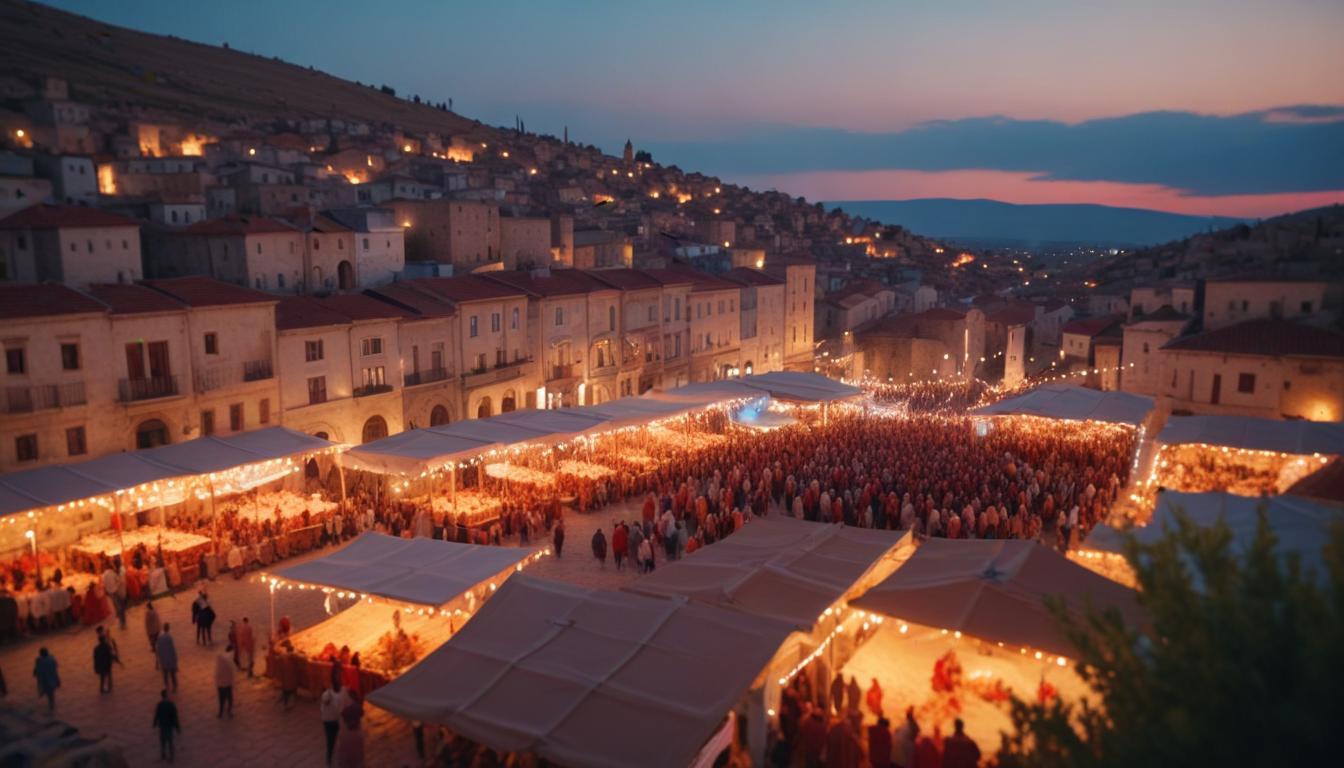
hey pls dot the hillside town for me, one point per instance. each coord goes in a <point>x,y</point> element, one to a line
<point>354,374</point>
<point>164,280</point>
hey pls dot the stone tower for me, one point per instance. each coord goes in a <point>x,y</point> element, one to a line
<point>629,154</point>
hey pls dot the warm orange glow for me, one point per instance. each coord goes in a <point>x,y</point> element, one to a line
<point>107,179</point>
<point>354,178</point>
<point>460,154</point>
<point>504,153</point>
<point>654,195</point>
<point>937,250</point>
<point>716,211</point>
<point>20,133</point>
<point>533,171</point>
<point>962,260</point>
<point>251,151</point>
<point>406,224</point>
<point>193,145</point>
<point>726,244</point>
<point>406,148</point>
<point>683,198</point>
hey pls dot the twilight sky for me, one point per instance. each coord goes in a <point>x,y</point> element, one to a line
<point>1204,106</point>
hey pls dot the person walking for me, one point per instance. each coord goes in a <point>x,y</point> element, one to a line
<point>48,678</point>
<point>246,649</point>
<point>620,543</point>
<point>350,746</point>
<point>207,619</point>
<point>102,662</point>
<point>600,548</point>
<point>333,701</point>
<point>645,556</point>
<point>166,651</point>
<point>879,744</point>
<point>224,681</point>
<point>153,626</point>
<point>168,725</point>
<point>558,536</point>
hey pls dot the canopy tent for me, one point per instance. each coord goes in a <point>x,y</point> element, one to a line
<point>636,411</point>
<point>558,424</point>
<point>420,571</point>
<point>588,677</point>
<point>794,386</point>
<point>707,393</point>
<point>1297,437</point>
<point>798,386</point>
<point>419,450</point>
<point>62,484</point>
<point>1325,484</point>
<point>782,568</point>
<point>1300,525</point>
<point>995,590</point>
<point>1064,401</point>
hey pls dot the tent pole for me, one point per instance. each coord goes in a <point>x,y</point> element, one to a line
<point>121,524</point>
<point>340,471</point>
<point>214,518</point>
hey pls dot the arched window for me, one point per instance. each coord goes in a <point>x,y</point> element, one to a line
<point>438,416</point>
<point>345,276</point>
<point>485,410</point>
<point>374,429</point>
<point>509,402</point>
<point>151,434</point>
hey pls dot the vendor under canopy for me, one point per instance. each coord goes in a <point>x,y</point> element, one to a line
<point>401,598</point>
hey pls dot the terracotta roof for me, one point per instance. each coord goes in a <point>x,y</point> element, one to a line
<point>941,313</point>
<point>207,291</point>
<point>238,225</point>
<point>1091,326</point>
<point>420,302</point>
<point>749,276</point>
<point>666,276</point>
<point>125,299</point>
<point>625,279</point>
<point>357,306</point>
<point>557,282</point>
<point>45,216</point>
<point>465,288</point>
<point>19,300</point>
<point>305,312</point>
<point>1270,338</point>
<point>1263,277</point>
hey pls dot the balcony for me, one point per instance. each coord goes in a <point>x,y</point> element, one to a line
<point>426,377</point>
<point>134,390</point>
<point>225,375</point>
<point>503,372</point>
<point>604,370</point>
<point>556,372</point>
<point>43,397</point>
<point>257,370</point>
<point>372,389</point>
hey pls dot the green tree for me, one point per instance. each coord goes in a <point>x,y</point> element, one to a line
<point>1242,663</point>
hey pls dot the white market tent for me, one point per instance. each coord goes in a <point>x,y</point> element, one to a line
<point>587,677</point>
<point>782,568</point>
<point>420,450</point>
<point>1296,437</point>
<point>62,484</point>
<point>420,571</point>
<point>1300,525</point>
<point>995,590</point>
<point>1065,401</point>
<point>802,387</point>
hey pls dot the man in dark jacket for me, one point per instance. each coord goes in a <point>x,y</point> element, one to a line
<point>165,720</point>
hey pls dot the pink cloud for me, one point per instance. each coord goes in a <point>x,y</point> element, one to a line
<point>1028,188</point>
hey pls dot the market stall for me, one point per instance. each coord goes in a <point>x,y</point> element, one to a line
<point>157,510</point>
<point>392,600</point>
<point>1301,526</point>
<point>589,677</point>
<point>1240,454</point>
<point>788,570</point>
<point>964,623</point>
<point>1072,403</point>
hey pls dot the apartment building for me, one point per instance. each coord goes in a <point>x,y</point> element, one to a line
<point>762,313</point>
<point>120,367</point>
<point>69,244</point>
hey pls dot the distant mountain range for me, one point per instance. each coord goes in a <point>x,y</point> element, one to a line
<point>993,222</point>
